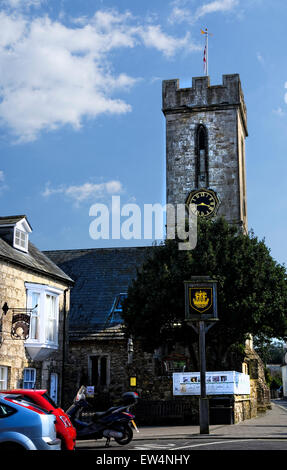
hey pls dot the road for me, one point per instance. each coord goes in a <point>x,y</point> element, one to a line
<point>178,445</point>
<point>267,432</point>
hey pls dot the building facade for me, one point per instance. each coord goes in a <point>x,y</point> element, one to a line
<point>34,299</point>
<point>98,349</point>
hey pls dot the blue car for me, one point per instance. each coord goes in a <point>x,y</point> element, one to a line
<point>25,426</point>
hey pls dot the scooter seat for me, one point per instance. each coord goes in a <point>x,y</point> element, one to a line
<point>101,414</point>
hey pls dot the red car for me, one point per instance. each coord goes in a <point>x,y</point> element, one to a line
<point>64,428</point>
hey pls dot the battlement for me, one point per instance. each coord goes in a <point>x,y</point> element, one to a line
<point>202,95</point>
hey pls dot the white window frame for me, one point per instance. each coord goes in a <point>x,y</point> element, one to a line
<point>3,377</point>
<point>20,239</point>
<point>33,372</point>
<point>54,376</point>
<point>42,315</point>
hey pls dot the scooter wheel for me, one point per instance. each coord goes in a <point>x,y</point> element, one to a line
<point>127,437</point>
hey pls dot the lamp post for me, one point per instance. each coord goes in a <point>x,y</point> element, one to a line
<point>201,307</point>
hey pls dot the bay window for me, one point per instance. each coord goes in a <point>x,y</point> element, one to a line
<point>44,319</point>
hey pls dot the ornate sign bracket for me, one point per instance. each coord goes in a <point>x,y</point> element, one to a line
<point>20,321</point>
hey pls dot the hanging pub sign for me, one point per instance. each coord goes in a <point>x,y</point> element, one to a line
<point>200,299</point>
<point>20,325</point>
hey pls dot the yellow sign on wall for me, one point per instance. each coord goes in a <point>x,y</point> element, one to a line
<point>133,381</point>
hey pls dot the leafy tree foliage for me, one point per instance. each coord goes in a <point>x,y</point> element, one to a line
<point>252,293</point>
<point>270,350</point>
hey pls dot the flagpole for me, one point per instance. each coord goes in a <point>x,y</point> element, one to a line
<point>205,57</point>
<point>206,37</point>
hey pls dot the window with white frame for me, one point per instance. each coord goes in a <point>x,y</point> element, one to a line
<point>29,379</point>
<point>34,317</point>
<point>20,239</point>
<point>44,320</point>
<point>3,377</point>
<point>52,318</point>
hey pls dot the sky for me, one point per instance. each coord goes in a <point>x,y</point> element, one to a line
<point>80,106</point>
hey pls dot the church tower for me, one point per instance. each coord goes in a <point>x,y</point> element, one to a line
<point>206,127</point>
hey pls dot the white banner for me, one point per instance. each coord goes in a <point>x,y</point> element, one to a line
<point>217,383</point>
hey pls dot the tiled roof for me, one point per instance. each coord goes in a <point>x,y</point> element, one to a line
<point>99,274</point>
<point>34,260</point>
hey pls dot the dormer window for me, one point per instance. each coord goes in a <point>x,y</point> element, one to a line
<point>15,230</point>
<point>20,239</point>
<point>114,316</point>
<point>118,304</point>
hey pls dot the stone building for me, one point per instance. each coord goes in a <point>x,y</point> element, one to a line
<point>206,127</point>
<point>98,349</point>
<point>34,299</point>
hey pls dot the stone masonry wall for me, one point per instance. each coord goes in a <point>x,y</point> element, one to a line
<point>78,371</point>
<point>12,352</point>
<point>221,109</point>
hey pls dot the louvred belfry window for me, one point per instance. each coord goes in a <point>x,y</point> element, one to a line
<point>201,151</point>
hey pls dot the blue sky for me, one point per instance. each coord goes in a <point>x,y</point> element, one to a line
<point>80,108</point>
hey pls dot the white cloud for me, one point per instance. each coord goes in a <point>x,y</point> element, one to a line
<point>279,111</point>
<point>285,96</point>
<point>153,36</point>
<point>54,75</point>
<point>22,3</point>
<point>86,191</point>
<point>215,6</point>
<point>260,58</point>
<point>3,185</point>
<point>181,14</point>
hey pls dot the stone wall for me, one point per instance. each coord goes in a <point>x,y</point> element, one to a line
<point>260,392</point>
<point>12,352</point>
<point>221,109</point>
<point>78,370</point>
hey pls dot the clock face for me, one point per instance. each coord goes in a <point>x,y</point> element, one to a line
<point>206,202</point>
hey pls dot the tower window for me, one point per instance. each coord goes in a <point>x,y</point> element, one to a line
<point>201,157</point>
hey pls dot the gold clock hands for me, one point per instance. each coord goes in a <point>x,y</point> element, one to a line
<point>207,205</point>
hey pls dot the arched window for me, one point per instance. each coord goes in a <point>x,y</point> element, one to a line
<point>201,152</point>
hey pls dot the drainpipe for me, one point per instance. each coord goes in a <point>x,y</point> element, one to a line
<point>64,346</point>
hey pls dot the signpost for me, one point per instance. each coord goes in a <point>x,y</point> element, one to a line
<point>201,307</point>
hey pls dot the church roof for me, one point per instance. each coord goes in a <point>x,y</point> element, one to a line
<point>100,275</point>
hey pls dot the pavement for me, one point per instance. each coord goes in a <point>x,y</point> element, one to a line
<point>269,425</point>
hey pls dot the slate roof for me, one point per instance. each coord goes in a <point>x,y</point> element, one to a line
<point>34,260</point>
<point>99,274</point>
<point>12,219</point>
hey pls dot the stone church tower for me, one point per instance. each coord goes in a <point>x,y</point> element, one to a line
<point>206,127</point>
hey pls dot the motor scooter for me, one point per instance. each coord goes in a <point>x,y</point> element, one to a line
<point>116,422</point>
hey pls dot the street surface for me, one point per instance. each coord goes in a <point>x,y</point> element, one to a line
<point>192,445</point>
<point>267,432</point>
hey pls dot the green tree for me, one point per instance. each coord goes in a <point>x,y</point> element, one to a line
<point>271,351</point>
<point>252,293</point>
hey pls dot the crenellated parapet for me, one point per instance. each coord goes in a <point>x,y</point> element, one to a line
<point>202,95</point>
